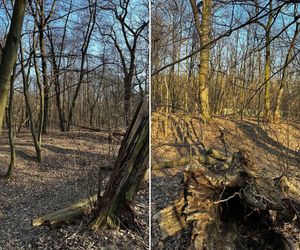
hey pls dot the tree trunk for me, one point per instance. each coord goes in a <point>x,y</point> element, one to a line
<point>268,65</point>
<point>25,78</point>
<point>45,116</point>
<point>127,97</point>
<point>204,30</point>
<point>61,114</point>
<point>41,94</point>
<point>11,128</point>
<point>129,169</point>
<point>9,55</point>
<point>278,104</point>
<point>84,49</point>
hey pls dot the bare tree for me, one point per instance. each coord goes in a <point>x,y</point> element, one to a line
<point>130,36</point>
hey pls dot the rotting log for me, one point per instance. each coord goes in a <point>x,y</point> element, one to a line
<point>66,215</point>
<point>235,207</point>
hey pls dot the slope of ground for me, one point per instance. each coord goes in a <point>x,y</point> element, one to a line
<point>67,174</point>
<point>274,148</point>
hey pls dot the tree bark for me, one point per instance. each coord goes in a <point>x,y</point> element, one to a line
<point>267,97</point>
<point>11,128</point>
<point>25,76</point>
<point>204,30</point>
<point>9,55</point>
<point>278,104</point>
<point>130,167</point>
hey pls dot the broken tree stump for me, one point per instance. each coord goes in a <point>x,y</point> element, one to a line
<point>129,169</point>
<point>229,206</point>
<point>114,207</point>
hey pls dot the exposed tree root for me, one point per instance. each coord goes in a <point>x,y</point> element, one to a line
<point>230,206</point>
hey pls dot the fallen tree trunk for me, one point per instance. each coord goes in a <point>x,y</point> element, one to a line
<point>66,215</point>
<point>232,207</point>
<point>112,132</point>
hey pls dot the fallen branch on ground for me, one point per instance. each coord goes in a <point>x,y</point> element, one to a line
<point>209,157</point>
<point>66,215</point>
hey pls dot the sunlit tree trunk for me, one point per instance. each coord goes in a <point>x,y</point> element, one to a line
<point>267,98</point>
<point>204,30</point>
<point>25,78</point>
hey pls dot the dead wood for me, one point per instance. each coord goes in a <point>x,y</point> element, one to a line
<point>129,168</point>
<point>66,215</point>
<point>220,203</point>
<point>209,157</point>
<point>112,132</point>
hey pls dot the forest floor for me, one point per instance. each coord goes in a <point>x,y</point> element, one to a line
<point>67,174</point>
<point>274,148</point>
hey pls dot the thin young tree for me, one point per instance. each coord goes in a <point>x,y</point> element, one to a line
<point>41,21</point>
<point>11,126</point>
<point>278,103</point>
<point>204,30</point>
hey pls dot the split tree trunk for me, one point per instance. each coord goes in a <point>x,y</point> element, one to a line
<point>230,206</point>
<point>129,169</point>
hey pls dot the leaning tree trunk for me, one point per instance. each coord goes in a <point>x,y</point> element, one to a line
<point>129,170</point>
<point>9,55</point>
<point>115,203</point>
<point>229,203</point>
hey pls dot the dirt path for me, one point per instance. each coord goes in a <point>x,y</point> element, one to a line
<point>67,174</point>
